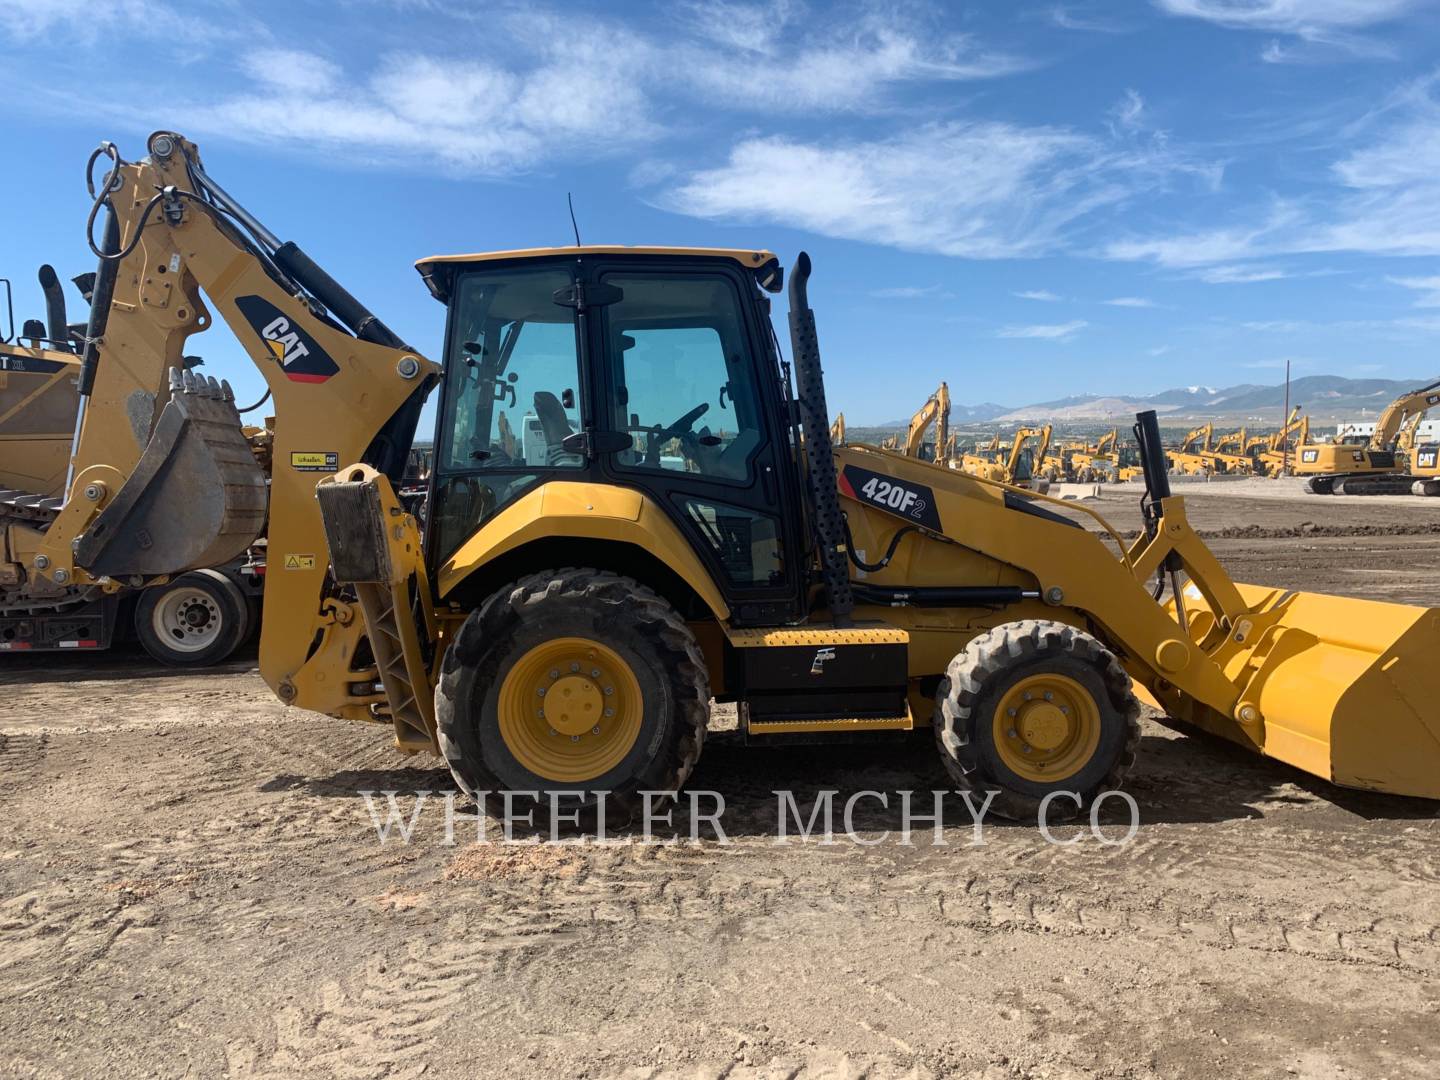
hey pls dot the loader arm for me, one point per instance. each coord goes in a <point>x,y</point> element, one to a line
<point>340,396</point>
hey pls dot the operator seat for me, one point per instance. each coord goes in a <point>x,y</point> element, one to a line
<point>554,425</point>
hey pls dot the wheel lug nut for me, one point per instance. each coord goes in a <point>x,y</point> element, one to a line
<point>554,673</point>
<point>1012,733</point>
<point>541,691</point>
<point>595,673</point>
<point>574,738</point>
<point>1027,749</point>
<point>609,713</point>
<point>609,690</point>
<point>554,732</point>
<point>595,730</point>
<point>574,668</point>
<point>1010,712</point>
<point>1049,696</point>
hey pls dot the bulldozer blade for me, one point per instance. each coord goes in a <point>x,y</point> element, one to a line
<point>196,497</point>
<point>1345,689</point>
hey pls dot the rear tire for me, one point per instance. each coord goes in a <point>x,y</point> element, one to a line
<point>199,618</point>
<point>554,630</point>
<point>1080,725</point>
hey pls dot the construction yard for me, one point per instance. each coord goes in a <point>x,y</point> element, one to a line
<point>191,885</point>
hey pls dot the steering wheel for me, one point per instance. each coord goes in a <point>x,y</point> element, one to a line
<point>686,422</point>
<point>680,429</point>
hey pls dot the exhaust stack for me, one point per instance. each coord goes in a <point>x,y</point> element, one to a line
<point>57,327</point>
<point>819,455</point>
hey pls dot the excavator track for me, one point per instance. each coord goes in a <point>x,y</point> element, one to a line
<point>1374,484</point>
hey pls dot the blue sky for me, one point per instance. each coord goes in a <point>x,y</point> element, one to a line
<point>1029,200</point>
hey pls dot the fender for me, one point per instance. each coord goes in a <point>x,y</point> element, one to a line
<point>585,511</point>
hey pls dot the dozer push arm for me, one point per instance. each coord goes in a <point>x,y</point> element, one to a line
<point>339,396</point>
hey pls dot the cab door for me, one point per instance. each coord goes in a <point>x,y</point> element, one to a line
<point>684,379</point>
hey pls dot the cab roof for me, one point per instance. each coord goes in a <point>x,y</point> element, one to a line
<point>438,269</point>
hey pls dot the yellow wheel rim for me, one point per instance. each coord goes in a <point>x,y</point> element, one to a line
<point>1046,728</point>
<point>570,709</point>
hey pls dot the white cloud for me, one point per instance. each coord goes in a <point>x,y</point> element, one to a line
<point>1037,294</point>
<point>1427,287</point>
<point>292,71</point>
<point>1325,27</point>
<point>1131,302</point>
<point>1240,275</point>
<point>754,28</point>
<point>464,115</point>
<point>1054,332</point>
<point>977,190</point>
<point>850,67</point>
<point>1158,350</point>
<point>1127,113</point>
<point>1073,17</point>
<point>1291,16</point>
<point>1384,198</point>
<point>28,19</point>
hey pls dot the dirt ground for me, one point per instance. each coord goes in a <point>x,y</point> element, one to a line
<point>191,885</point>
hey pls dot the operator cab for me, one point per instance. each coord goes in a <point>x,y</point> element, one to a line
<point>653,369</point>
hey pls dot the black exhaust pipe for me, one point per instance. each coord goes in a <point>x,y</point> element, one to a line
<point>58,326</point>
<point>361,320</point>
<point>819,456</point>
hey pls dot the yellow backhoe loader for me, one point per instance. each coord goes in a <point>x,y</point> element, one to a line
<point>562,618</point>
<point>1367,466</point>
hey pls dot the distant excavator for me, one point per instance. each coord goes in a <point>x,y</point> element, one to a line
<point>1270,455</point>
<point>1370,466</point>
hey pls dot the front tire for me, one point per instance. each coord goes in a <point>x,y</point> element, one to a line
<point>573,680</point>
<point>199,618</point>
<point>1032,708</point>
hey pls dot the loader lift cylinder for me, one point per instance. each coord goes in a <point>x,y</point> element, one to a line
<point>103,291</point>
<point>819,455</point>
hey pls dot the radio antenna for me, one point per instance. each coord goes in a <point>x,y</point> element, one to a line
<point>571,203</point>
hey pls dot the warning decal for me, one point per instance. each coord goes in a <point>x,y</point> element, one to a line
<point>299,562</point>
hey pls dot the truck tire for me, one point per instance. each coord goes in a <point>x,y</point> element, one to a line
<point>197,619</point>
<point>576,681</point>
<point>1034,707</point>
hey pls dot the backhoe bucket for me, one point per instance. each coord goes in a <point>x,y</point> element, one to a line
<point>196,497</point>
<point>1348,690</point>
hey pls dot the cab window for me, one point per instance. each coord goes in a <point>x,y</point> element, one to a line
<point>682,384</point>
<point>514,393</point>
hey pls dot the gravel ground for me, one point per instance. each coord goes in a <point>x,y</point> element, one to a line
<point>191,885</point>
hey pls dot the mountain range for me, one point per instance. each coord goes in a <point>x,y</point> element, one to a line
<point>1324,397</point>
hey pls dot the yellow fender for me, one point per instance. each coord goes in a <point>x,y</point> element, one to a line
<point>587,512</point>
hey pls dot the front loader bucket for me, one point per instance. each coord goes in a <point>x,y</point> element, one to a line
<point>196,497</point>
<point>1348,690</point>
